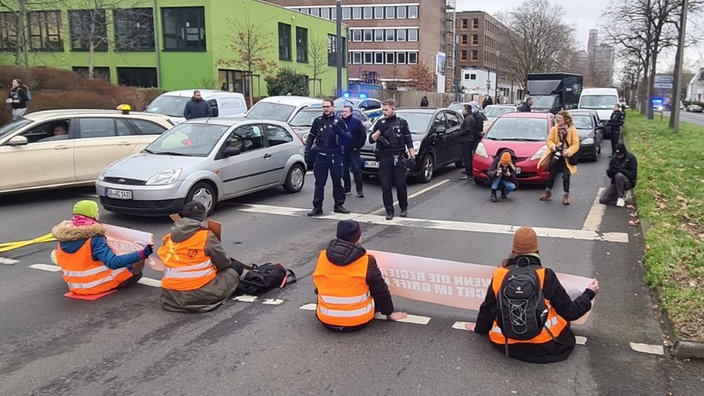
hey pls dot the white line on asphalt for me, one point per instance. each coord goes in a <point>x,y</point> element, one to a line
<point>273,301</point>
<point>450,225</point>
<point>415,319</point>
<point>647,348</point>
<point>596,213</point>
<point>150,282</point>
<point>245,298</point>
<point>308,307</point>
<point>8,261</point>
<point>415,194</point>
<point>580,340</point>
<point>46,267</point>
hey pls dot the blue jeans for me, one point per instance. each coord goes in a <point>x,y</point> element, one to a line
<point>503,185</point>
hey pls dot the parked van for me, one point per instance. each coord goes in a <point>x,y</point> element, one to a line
<point>281,108</point>
<point>223,103</point>
<point>602,100</point>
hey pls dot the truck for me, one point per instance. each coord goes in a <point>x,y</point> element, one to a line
<point>552,92</point>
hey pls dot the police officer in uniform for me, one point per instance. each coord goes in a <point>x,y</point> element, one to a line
<point>392,138</point>
<point>325,143</point>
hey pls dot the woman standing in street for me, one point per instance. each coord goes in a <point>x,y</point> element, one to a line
<point>563,143</point>
<point>18,98</point>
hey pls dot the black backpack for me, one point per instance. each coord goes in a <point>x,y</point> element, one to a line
<point>521,310</point>
<point>262,278</point>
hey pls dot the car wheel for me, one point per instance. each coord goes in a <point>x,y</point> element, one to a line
<point>427,167</point>
<point>294,179</point>
<point>204,193</point>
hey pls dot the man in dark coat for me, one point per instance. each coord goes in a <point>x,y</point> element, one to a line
<point>525,106</point>
<point>424,101</point>
<point>614,124</point>
<point>467,141</point>
<point>197,107</point>
<point>623,172</point>
<point>351,161</point>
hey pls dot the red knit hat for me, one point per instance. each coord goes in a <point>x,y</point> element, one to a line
<point>525,241</point>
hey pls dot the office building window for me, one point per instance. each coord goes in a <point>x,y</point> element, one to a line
<point>134,29</point>
<point>475,23</point>
<point>301,45</point>
<point>390,35</point>
<point>357,57</point>
<point>412,12</point>
<point>400,58</point>
<point>475,55</point>
<point>184,28</point>
<point>137,76</point>
<point>332,50</point>
<point>400,34</point>
<point>315,11</point>
<point>368,12</point>
<point>99,73</point>
<point>8,31</point>
<point>412,58</point>
<point>356,35</point>
<point>378,34</point>
<point>390,12</point>
<point>463,55</point>
<point>412,34</point>
<point>356,12</point>
<point>325,12</point>
<point>45,31</point>
<point>368,35</point>
<point>88,28</point>
<point>390,58</point>
<point>475,39</point>
<point>401,12</point>
<point>463,39</point>
<point>284,41</point>
<point>378,12</point>
<point>464,24</point>
<point>379,58</point>
<point>346,13</point>
<point>368,58</point>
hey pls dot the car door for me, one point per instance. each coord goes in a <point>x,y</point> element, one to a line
<point>452,140</point>
<point>43,161</point>
<point>437,136</point>
<point>279,148</point>
<point>247,170</point>
<point>99,142</point>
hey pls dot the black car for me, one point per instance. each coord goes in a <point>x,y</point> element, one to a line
<point>436,141</point>
<point>591,133</point>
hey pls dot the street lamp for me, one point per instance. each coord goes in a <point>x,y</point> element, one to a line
<point>338,49</point>
<point>496,96</point>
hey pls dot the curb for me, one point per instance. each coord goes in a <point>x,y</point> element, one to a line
<point>686,349</point>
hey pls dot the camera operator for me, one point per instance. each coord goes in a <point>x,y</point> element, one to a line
<point>503,175</point>
<point>392,138</point>
<point>563,143</point>
<point>614,124</point>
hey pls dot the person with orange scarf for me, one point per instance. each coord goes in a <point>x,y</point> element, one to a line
<point>563,144</point>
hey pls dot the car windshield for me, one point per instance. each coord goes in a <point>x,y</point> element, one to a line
<point>582,121</point>
<point>171,106</point>
<point>191,140</point>
<point>305,118</point>
<point>495,111</point>
<point>598,102</point>
<point>417,122</point>
<point>524,129</point>
<point>456,106</point>
<point>271,111</point>
<point>13,126</point>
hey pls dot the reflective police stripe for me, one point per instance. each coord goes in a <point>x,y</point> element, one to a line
<point>345,300</point>
<point>346,314</point>
<point>185,275</point>
<point>98,282</point>
<point>89,272</point>
<point>204,264</point>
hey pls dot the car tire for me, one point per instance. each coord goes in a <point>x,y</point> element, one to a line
<point>205,193</point>
<point>427,168</point>
<point>295,179</point>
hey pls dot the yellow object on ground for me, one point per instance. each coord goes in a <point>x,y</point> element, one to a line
<point>7,246</point>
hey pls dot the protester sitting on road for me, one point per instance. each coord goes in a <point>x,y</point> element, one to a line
<point>502,174</point>
<point>89,264</point>
<point>556,340</point>
<point>623,172</point>
<point>198,275</point>
<point>349,284</point>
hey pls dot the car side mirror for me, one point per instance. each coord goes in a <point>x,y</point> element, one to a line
<point>18,141</point>
<point>440,129</point>
<point>232,151</point>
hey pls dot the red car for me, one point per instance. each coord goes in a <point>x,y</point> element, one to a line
<point>525,134</point>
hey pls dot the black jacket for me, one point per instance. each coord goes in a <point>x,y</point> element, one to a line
<point>395,133</point>
<point>552,351</point>
<point>616,119</point>
<point>467,129</point>
<point>327,134</point>
<point>342,253</point>
<point>495,164</point>
<point>357,134</point>
<point>19,97</point>
<point>524,108</point>
<point>628,166</point>
<point>479,119</point>
<point>197,109</point>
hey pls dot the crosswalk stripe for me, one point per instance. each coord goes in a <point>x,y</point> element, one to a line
<point>46,267</point>
<point>150,282</point>
<point>648,348</point>
<point>8,261</point>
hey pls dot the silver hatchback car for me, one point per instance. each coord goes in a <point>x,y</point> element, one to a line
<point>208,160</point>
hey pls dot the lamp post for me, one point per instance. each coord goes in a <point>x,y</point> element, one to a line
<point>496,95</point>
<point>338,47</point>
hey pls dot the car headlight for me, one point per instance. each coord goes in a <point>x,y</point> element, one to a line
<point>416,146</point>
<point>167,176</point>
<point>481,151</point>
<point>588,141</point>
<point>539,154</point>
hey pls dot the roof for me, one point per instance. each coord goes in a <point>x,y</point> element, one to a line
<point>292,100</point>
<point>69,113</point>
<point>527,115</point>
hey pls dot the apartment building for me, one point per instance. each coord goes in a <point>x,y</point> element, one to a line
<point>388,37</point>
<point>171,44</point>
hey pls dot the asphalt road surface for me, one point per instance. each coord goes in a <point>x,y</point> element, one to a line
<point>125,344</point>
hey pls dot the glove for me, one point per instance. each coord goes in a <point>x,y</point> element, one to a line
<point>146,252</point>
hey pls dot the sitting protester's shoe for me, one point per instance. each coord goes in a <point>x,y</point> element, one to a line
<point>493,196</point>
<point>545,196</point>
<point>315,212</point>
<point>565,199</point>
<point>620,202</point>
<point>340,209</point>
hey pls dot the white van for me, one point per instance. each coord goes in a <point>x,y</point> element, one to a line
<point>602,100</point>
<point>223,103</point>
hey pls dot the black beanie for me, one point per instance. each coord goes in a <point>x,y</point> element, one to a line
<point>620,149</point>
<point>194,210</point>
<point>349,230</point>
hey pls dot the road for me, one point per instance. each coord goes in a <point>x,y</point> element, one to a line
<point>125,344</point>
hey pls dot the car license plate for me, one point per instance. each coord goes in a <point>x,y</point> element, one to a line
<point>518,170</point>
<point>371,164</point>
<point>118,194</point>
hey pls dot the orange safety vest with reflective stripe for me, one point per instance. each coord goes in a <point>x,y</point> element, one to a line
<point>343,294</point>
<point>554,322</point>
<point>186,265</point>
<point>87,276</point>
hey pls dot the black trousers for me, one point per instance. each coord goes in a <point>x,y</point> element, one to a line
<point>467,155</point>
<point>559,167</point>
<point>393,175</point>
<point>324,164</point>
<point>615,138</point>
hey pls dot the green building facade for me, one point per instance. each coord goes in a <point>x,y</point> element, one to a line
<point>174,44</point>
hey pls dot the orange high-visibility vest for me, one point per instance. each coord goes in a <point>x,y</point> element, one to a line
<point>186,265</point>
<point>554,322</point>
<point>87,276</point>
<point>343,293</point>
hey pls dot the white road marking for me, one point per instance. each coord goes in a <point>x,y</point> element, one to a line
<point>245,298</point>
<point>581,340</point>
<point>273,301</point>
<point>647,348</point>
<point>150,282</point>
<point>46,267</point>
<point>309,307</point>
<point>415,319</point>
<point>449,225</point>
<point>8,261</point>
<point>417,193</point>
<point>596,213</point>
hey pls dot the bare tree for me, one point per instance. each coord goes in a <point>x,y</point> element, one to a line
<point>318,58</point>
<point>16,26</point>
<point>250,45</point>
<point>421,76</point>
<point>544,41</point>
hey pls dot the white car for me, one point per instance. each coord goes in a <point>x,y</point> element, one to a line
<point>206,159</point>
<point>223,103</point>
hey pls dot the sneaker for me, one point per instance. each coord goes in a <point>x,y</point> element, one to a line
<point>348,191</point>
<point>464,177</point>
<point>565,199</point>
<point>360,194</point>
<point>340,209</point>
<point>389,216</point>
<point>315,212</point>
<point>404,212</point>
<point>545,196</point>
<point>620,202</point>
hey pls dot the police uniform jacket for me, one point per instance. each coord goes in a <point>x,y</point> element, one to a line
<point>326,134</point>
<point>395,131</point>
